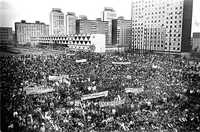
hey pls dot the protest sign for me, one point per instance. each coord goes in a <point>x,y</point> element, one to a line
<point>121,63</point>
<point>134,90</point>
<point>81,61</point>
<point>70,54</point>
<point>94,95</point>
<point>37,90</point>
<point>113,103</point>
<point>57,78</point>
<point>53,78</point>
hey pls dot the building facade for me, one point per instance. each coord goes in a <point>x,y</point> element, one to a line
<point>84,26</point>
<point>121,32</point>
<point>161,25</point>
<point>82,17</point>
<point>86,42</point>
<point>24,31</point>
<point>70,21</point>
<point>109,14</point>
<point>6,36</point>
<point>196,42</point>
<point>57,26</point>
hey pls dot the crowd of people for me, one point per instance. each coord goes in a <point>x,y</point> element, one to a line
<point>169,100</point>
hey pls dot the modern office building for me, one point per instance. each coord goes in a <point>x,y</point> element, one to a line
<point>92,27</point>
<point>161,25</point>
<point>24,31</point>
<point>70,21</point>
<point>6,36</point>
<point>121,32</point>
<point>196,42</point>
<point>109,14</point>
<point>57,22</point>
<point>86,42</point>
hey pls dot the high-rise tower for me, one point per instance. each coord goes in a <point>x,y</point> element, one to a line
<point>108,15</point>
<point>56,22</point>
<point>70,20</point>
<point>161,25</point>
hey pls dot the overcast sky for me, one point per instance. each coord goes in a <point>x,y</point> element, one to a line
<point>31,10</point>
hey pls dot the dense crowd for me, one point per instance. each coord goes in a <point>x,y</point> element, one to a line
<point>170,100</point>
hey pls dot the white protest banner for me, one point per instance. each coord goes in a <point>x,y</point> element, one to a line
<point>64,76</point>
<point>38,90</point>
<point>81,61</point>
<point>70,54</point>
<point>94,95</point>
<point>56,78</point>
<point>41,91</point>
<point>134,90</point>
<point>53,78</point>
<point>121,63</point>
<point>112,103</point>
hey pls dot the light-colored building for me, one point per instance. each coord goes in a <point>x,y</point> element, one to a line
<point>85,42</point>
<point>57,22</point>
<point>6,36</point>
<point>109,14</point>
<point>196,42</point>
<point>84,26</point>
<point>161,25</point>
<point>70,20</point>
<point>24,31</point>
<point>121,32</point>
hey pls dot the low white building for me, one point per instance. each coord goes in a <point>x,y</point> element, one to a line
<point>87,42</point>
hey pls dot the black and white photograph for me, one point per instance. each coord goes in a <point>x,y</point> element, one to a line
<point>100,65</point>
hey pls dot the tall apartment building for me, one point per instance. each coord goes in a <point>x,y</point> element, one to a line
<point>109,14</point>
<point>121,32</point>
<point>57,26</point>
<point>70,20</point>
<point>84,26</point>
<point>161,25</point>
<point>196,41</point>
<point>6,35</point>
<point>25,31</point>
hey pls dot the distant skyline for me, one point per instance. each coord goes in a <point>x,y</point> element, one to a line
<point>12,11</point>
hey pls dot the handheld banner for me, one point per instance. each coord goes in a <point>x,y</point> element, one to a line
<point>94,95</point>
